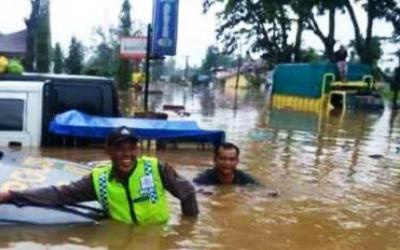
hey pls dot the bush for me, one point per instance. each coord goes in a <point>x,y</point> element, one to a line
<point>15,67</point>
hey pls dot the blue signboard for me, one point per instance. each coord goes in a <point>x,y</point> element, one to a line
<point>165,27</point>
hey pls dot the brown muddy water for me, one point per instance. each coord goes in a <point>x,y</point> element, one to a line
<point>338,177</point>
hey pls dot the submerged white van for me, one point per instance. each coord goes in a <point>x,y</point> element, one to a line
<point>28,104</point>
<point>20,113</point>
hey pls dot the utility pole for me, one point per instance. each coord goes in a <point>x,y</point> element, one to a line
<point>186,68</point>
<point>238,72</point>
<point>239,64</point>
<point>147,69</point>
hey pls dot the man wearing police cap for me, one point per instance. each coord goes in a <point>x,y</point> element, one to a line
<point>130,189</point>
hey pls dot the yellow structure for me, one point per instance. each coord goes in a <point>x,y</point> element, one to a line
<point>230,82</point>
<point>305,104</point>
<point>3,64</point>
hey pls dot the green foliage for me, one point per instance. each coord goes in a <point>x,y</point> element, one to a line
<point>104,55</point>
<point>264,25</point>
<point>38,41</point>
<point>374,51</point>
<point>364,42</point>
<point>313,8</point>
<point>103,61</point>
<point>74,61</point>
<point>214,59</point>
<point>124,74</point>
<point>393,17</point>
<point>43,40</point>
<point>309,55</point>
<point>15,67</point>
<point>211,59</point>
<point>58,59</point>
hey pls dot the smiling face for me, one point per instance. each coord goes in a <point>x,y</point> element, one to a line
<point>226,161</point>
<point>123,156</point>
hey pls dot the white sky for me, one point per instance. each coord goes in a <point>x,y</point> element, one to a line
<point>195,32</point>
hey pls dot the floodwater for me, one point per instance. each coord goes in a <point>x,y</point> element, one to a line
<point>338,178</point>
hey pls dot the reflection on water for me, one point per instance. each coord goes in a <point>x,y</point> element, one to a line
<point>339,179</point>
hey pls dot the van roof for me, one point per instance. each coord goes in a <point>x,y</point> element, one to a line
<point>21,86</point>
<point>60,77</point>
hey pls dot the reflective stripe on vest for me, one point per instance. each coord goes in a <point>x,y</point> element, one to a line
<point>103,191</point>
<point>145,189</point>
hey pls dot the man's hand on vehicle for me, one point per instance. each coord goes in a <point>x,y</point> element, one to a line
<point>5,196</point>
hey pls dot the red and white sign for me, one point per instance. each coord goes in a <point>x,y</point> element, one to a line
<point>133,47</point>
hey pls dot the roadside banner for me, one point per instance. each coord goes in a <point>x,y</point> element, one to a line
<point>165,27</point>
<point>133,47</point>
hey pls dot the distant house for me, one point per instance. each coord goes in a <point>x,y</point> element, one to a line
<point>248,68</point>
<point>13,44</point>
<point>242,82</point>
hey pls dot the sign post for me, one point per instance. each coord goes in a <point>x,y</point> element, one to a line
<point>165,31</point>
<point>161,36</point>
<point>133,47</point>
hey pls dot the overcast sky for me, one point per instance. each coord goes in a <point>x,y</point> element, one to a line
<point>195,32</point>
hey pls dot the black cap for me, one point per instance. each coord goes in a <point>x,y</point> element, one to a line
<point>119,135</point>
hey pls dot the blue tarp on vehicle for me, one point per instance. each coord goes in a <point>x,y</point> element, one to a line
<point>78,124</point>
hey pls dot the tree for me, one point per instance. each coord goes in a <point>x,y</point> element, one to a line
<point>310,9</point>
<point>375,9</point>
<point>264,24</point>
<point>394,17</point>
<point>309,55</point>
<point>38,40</point>
<point>43,38</point>
<point>124,70</point>
<point>302,13</point>
<point>58,59</point>
<point>375,51</point>
<point>31,27</point>
<point>211,59</point>
<point>215,59</point>
<point>74,61</point>
<point>104,55</point>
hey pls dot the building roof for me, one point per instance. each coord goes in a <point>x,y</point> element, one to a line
<point>14,43</point>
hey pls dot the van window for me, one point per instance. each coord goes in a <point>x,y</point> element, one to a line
<point>85,98</point>
<point>11,114</point>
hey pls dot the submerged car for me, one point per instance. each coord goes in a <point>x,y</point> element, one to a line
<point>20,171</point>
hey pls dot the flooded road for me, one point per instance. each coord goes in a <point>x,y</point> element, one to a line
<point>338,177</point>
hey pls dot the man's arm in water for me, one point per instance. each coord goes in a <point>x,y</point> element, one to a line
<point>75,192</point>
<point>180,188</point>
